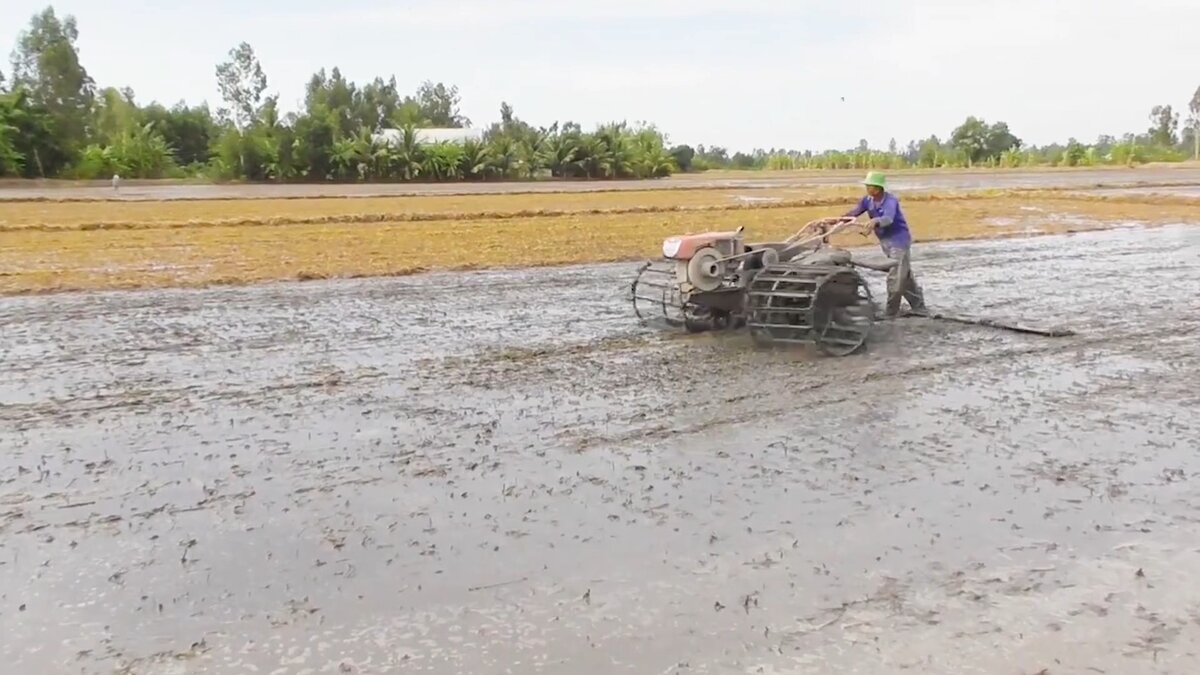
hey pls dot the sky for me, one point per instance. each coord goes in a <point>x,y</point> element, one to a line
<point>742,74</point>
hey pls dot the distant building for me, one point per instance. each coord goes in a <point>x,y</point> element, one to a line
<point>429,136</point>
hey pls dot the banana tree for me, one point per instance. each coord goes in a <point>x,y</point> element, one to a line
<point>12,161</point>
<point>442,160</point>
<point>141,152</point>
<point>382,160</point>
<point>34,149</point>
<point>345,157</point>
<point>364,153</point>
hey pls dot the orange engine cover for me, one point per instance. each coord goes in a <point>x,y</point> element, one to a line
<point>685,246</point>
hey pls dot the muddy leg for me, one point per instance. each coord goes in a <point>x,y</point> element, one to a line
<point>895,279</point>
<point>912,293</point>
<point>901,284</point>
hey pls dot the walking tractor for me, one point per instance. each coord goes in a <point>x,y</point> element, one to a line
<point>801,290</point>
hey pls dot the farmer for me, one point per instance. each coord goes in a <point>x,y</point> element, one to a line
<point>890,226</point>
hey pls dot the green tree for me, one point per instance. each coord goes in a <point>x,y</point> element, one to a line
<point>32,145</point>
<point>683,156</point>
<point>1165,125</point>
<point>141,152</point>
<point>12,160</point>
<point>336,97</point>
<point>242,83</point>
<point>1001,140</point>
<point>443,160</point>
<point>46,63</point>
<point>190,131</point>
<point>476,160</point>
<point>562,154</point>
<point>439,105</point>
<point>116,114</point>
<point>1074,154</point>
<point>649,157</point>
<point>980,143</point>
<point>1194,123</point>
<point>407,154</point>
<point>971,138</point>
<point>377,102</point>
<point>314,146</point>
<point>930,153</point>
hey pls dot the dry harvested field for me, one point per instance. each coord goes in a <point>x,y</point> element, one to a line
<point>500,471</point>
<point>70,244</point>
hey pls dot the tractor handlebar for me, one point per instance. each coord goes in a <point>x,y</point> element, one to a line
<point>821,229</point>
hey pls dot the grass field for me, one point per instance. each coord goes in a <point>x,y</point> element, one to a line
<point>48,246</point>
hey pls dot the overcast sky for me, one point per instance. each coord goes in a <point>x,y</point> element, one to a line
<point>770,73</point>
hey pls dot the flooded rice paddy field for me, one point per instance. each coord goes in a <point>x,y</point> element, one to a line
<point>501,472</point>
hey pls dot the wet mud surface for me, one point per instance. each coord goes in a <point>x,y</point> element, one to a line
<point>500,472</point>
<point>942,180</point>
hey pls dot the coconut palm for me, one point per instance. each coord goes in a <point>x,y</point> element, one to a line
<point>475,161</point>
<point>503,154</point>
<point>406,155</point>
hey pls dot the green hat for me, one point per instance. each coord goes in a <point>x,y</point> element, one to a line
<point>877,179</point>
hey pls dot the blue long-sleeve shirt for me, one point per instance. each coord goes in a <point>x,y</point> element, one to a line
<point>892,229</point>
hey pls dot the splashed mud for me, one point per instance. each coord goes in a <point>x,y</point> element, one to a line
<point>501,472</point>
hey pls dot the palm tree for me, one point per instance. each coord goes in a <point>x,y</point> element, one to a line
<point>502,151</point>
<point>476,159</point>
<point>531,150</point>
<point>649,157</point>
<point>407,155</point>
<point>561,155</point>
<point>616,145</point>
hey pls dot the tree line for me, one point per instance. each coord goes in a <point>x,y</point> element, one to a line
<point>56,122</point>
<point>975,143</point>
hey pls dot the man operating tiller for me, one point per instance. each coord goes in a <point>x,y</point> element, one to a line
<point>889,225</point>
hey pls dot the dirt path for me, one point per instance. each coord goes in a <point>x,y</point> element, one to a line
<point>500,472</point>
<point>901,180</point>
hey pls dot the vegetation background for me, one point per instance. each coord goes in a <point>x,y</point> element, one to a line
<point>55,122</point>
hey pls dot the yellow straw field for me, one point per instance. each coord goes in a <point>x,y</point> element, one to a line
<point>48,246</point>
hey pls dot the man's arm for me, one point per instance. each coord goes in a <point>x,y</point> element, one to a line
<point>889,213</point>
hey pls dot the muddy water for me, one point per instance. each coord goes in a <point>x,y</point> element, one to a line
<point>500,473</point>
<point>949,180</point>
